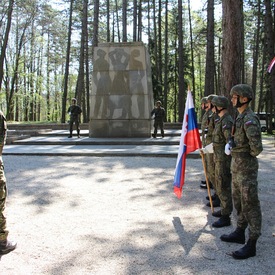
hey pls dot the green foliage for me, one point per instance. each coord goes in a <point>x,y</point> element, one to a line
<point>35,86</point>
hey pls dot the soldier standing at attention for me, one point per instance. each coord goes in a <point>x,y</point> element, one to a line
<point>5,245</point>
<point>159,116</point>
<point>210,165</point>
<point>221,136</point>
<point>204,120</point>
<point>74,112</point>
<point>204,123</point>
<point>246,147</point>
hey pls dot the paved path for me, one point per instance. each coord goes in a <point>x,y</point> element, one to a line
<point>118,216</point>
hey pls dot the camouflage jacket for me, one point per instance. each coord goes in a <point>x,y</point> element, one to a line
<point>210,127</point>
<point>3,129</point>
<point>75,110</point>
<point>247,134</point>
<point>221,134</point>
<point>159,113</point>
<point>204,124</point>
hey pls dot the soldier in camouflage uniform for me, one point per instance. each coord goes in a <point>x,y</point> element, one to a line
<point>159,116</point>
<point>5,245</point>
<point>204,120</point>
<point>74,112</point>
<point>204,123</point>
<point>246,147</point>
<point>221,135</point>
<point>210,166</point>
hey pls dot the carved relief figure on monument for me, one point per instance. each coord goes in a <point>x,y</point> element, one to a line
<point>102,82</point>
<point>120,84</point>
<point>136,75</point>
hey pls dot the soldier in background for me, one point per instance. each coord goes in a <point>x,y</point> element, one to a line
<point>245,148</point>
<point>74,112</point>
<point>204,120</point>
<point>159,115</point>
<point>204,124</point>
<point>221,136</point>
<point>210,165</point>
<point>6,246</point>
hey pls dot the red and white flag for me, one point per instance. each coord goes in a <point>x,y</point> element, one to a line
<point>189,142</point>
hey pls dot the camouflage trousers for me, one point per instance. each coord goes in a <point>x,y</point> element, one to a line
<point>245,193</point>
<point>210,168</point>
<point>158,124</point>
<point>74,120</point>
<point>3,195</point>
<point>223,184</point>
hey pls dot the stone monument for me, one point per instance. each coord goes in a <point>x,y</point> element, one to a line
<point>121,99</point>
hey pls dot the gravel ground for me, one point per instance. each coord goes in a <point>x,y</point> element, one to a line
<point>118,215</point>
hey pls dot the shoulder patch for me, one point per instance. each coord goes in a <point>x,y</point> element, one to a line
<point>250,122</point>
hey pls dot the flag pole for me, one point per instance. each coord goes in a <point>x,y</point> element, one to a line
<point>207,182</point>
<point>206,178</point>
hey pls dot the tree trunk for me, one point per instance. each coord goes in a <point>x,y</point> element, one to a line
<point>5,41</point>
<point>139,20</point>
<point>10,102</point>
<point>232,45</point>
<point>80,87</point>
<point>48,96</point>
<point>95,23</point>
<point>108,21</point>
<point>67,66</point>
<point>117,21</point>
<point>159,60</point>
<point>209,87</point>
<point>124,21</point>
<point>181,85</point>
<point>86,111</point>
<point>270,40</point>
<point>134,20</point>
<point>165,90</point>
<point>192,52</point>
<point>256,55</point>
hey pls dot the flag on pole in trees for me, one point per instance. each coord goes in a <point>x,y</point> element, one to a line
<point>270,66</point>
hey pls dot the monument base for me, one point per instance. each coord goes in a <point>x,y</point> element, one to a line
<point>119,128</point>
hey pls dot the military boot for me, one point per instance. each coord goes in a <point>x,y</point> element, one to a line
<point>237,236</point>
<point>7,246</point>
<point>217,214</point>
<point>249,250</point>
<point>213,197</point>
<point>216,202</point>
<point>222,221</point>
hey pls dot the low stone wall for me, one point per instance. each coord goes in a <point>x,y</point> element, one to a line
<point>47,126</point>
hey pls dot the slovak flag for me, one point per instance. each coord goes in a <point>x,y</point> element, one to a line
<point>270,66</point>
<point>189,142</point>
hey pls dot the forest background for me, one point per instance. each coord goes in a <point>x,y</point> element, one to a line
<point>47,49</point>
